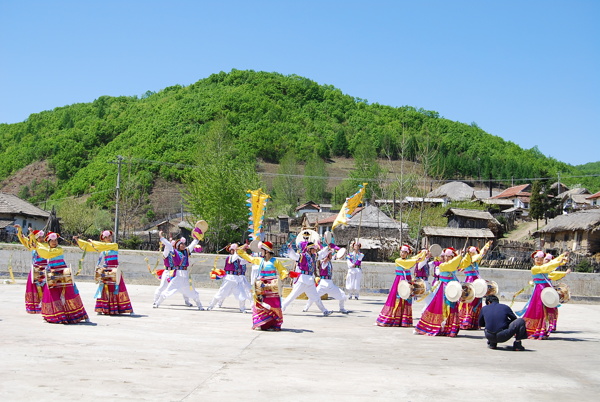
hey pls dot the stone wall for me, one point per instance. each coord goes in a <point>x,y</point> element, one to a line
<point>377,277</point>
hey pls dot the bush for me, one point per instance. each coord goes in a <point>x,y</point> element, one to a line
<point>132,243</point>
<point>584,266</point>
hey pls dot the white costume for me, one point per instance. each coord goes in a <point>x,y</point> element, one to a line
<point>354,276</point>
<point>165,278</point>
<point>326,284</point>
<point>180,281</point>
<point>305,283</point>
<point>234,282</point>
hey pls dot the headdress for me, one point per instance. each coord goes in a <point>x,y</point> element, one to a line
<point>538,254</point>
<point>450,252</point>
<point>51,236</point>
<point>105,234</point>
<point>267,245</point>
<point>406,248</point>
<point>38,233</point>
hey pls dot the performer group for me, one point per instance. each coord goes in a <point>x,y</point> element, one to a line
<point>449,304</point>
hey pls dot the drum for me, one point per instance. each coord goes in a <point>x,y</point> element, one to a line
<point>550,297</point>
<point>106,275</point>
<point>468,293</point>
<point>39,275</point>
<point>481,287</point>
<point>263,287</point>
<point>59,278</point>
<point>492,288</point>
<point>255,245</point>
<point>404,289</point>
<point>419,287</point>
<point>453,291</point>
<point>564,294</point>
<point>435,250</point>
<point>340,254</point>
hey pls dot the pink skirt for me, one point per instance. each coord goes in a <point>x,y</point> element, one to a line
<point>440,317</point>
<point>33,295</point>
<point>267,318</point>
<point>110,303</point>
<point>63,305</point>
<point>396,312</point>
<point>539,319</point>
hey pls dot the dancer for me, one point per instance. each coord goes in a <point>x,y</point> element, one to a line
<point>61,303</point>
<point>541,320</point>
<point>306,263</point>
<point>397,312</point>
<point>179,259</point>
<point>234,282</point>
<point>266,309</point>
<point>165,275</point>
<point>422,267</point>
<point>112,297</point>
<point>326,284</point>
<point>469,311</point>
<point>354,276</point>
<point>440,316</point>
<point>34,288</point>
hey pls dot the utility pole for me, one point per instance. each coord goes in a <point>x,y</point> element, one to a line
<point>118,162</point>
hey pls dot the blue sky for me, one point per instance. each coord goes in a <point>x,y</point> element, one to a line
<point>527,71</point>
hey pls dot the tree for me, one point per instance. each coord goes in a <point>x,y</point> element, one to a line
<point>536,202</point>
<point>216,189</point>
<point>315,179</point>
<point>287,186</point>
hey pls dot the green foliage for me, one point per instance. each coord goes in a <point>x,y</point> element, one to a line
<point>584,265</point>
<point>315,180</point>
<point>287,186</point>
<point>217,188</point>
<point>80,218</point>
<point>536,202</point>
<point>266,115</point>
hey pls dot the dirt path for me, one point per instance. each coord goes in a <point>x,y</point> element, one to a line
<point>523,231</point>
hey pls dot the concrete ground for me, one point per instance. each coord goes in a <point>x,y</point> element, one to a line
<point>177,353</point>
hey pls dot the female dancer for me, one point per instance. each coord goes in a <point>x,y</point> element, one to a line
<point>469,312</point>
<point>266,310</point>
<point>61,303</point>
<point>34,288</point>
<point>397,312</point>
<point>440,317</point>
<point>112,297</point>
<point>539,319</point>
<point>354,276</point>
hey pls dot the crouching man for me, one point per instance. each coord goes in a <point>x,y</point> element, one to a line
<point>501,324</point>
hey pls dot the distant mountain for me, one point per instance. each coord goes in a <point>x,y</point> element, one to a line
<point>267,113</point>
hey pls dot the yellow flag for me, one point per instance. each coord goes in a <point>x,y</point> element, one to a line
<point>349,206</point>
<point>257,204</point>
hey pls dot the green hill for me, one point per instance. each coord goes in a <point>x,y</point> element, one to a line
<point>269,114</point>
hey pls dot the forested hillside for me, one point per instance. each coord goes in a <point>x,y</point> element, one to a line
<point>266,115</point>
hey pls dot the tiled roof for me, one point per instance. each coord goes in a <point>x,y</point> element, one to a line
<point>514,191</point>
<point>594,196</point>
<point>11,204</point>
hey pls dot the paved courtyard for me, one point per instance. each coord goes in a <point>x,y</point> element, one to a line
<point>177,353</point>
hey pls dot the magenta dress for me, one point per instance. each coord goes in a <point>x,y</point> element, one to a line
<point>61,304</point>
<point>469,312</point>
<point>36,280</point>
<point>266,309</point>
<point>110,298</point>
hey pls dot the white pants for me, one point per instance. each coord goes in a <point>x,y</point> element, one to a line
<point>233,284</point>
<point>180,283</point>
<point>163,286</point>
<point>353,279</point>
<point>327,286</point>
<point>305,284</point>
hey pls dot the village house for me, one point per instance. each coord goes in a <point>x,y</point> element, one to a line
<point>574,200</point>
<point>470,218</point>
<point>453,191</point>
<point>14,210</point>
<point>457,238</point>
<point>309,206</point>
<point>519,195</point>
<point>379,234</point>
<point>578,232</point>
<point>594,199</point>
